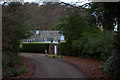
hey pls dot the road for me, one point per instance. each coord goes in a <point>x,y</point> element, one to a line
<point>52,68</point>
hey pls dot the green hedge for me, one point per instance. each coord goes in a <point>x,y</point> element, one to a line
<point>35,47</point>
<point>66,49</point>
<point>62,48</point>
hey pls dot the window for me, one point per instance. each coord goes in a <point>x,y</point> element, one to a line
<point>44,39</point>
<point>37,31</point>
<point>49,39</point>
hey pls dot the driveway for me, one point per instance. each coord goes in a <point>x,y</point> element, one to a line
<point>52,68</point>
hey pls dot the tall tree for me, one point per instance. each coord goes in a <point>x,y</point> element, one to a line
<point>106,14</point>
<point>14,29</point>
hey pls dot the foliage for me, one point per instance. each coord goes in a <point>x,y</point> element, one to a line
<point>62,48</point>
<point>16,72</point>
<point>112,64</point>
<point>94,43</point>
<point>91,42</point>
<point>74,27</point>
<point>84,39</point>
<point>9,62</point>
<point>106,14</point>
<point>35,48</point>
<point>58,26</point>
<point>14,29</point>
<point>78,46</point>
<point>99,47</point>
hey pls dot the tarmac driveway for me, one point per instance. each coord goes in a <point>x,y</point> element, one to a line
<point>52,68</point>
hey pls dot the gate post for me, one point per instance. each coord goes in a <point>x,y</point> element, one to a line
<point>51,48</point>
<point>58,47</point>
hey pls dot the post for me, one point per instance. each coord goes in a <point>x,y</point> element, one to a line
<point>58,47</point>
<point>51,48</point>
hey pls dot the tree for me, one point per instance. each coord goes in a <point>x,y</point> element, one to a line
<point>14,29</point>
<point>71,27</point>
<point>106,14</point>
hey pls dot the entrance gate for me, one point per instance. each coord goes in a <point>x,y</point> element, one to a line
<point>53,49</point>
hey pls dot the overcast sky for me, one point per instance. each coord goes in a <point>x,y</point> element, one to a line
<point>79,2</point>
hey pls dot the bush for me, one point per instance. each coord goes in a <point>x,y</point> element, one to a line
<point>94,44</point>
<point>78,46</point>
<point>112,64</point>
<point>9,62</point>
<point>16,72</point>
<point>35,47</point>
<point>66,49</point>
<point>99,47</point>
<point>62,48</point>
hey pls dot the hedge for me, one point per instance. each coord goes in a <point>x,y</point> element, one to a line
<point>35,47</point>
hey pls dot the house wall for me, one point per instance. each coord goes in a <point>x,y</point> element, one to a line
<point>49,34</point>
<point>44,35</point>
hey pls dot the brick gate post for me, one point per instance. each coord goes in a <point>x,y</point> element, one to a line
<point>51,48</point>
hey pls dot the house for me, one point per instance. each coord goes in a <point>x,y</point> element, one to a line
<point>47,36</point>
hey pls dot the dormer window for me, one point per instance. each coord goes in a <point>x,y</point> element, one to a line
<point>62,37</point>
<point>37,31</point>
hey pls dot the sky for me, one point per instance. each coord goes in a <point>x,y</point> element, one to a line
<point>79,2</point>
<point>57,0</point>
<point>66,1</point>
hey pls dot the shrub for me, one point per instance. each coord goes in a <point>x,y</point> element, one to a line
<point>99,47</point>
<point>16,72</point>
<point>35,47</point>
<point>66,49</point>
<point>112,64</point>
<point>9,62</point>
<point>78,46</point>
<point>62,48</point>
<point>94,44</point>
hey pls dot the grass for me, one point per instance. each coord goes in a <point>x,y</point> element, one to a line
<point>39,43</point>
<point>29,53</point>
<point>47,55</point>
<point>54,56</point>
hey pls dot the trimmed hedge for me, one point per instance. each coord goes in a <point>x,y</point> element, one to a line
<point>35,47</point>
<point>66,49</point>
<point>62,48</point>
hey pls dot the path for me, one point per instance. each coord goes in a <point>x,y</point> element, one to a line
<point>52,68</point>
